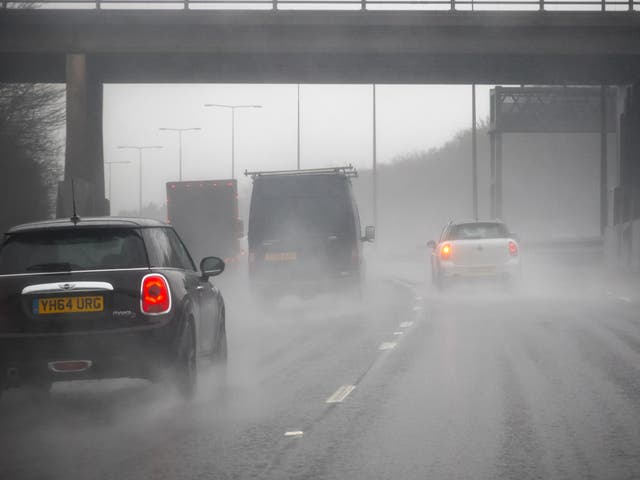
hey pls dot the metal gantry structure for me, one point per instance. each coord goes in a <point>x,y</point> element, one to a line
<point>554,110</point>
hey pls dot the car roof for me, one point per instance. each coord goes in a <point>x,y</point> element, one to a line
<point>132,222</point>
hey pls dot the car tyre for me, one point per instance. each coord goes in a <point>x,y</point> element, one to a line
<point>186,370</point>
<point>219,356</point>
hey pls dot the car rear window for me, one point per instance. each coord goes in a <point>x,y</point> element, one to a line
<point>471,231</point>
<point>305,205</point>
<point>72,249</point>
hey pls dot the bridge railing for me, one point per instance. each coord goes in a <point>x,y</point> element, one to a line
<point>337,5</point>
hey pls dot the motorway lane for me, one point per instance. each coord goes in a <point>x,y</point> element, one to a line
<point>543,383</point>
<point>486,386</point>
<point>282,367</point>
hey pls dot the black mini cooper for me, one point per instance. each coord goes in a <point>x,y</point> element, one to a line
<point>103,298</point>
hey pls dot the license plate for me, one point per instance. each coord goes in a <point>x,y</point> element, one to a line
<point>44,306</point>
<point>280,256</point>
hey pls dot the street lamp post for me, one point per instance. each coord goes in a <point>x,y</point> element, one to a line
<point>375,159</point>
<point>233,109</point>
<point>298,156</point>
<point>109,164</point>
<point>180,130</point>
<point>474,152</point>
<point>139,148</point>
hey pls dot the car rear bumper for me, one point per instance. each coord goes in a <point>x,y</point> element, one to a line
<point>508,270</point>
<point>136,353</point>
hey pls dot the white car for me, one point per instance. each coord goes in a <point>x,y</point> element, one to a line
<point>475,250</point>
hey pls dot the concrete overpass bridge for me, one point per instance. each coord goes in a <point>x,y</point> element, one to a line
<point>87,48</point>
<point>323,46</point>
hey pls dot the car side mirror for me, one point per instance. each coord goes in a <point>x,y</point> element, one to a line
<point>431,244</point>
<point>240,228</point>
<point>211,266</point>
<point>369,234</point>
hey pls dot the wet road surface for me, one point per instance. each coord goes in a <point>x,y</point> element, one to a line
<point>467,384</point>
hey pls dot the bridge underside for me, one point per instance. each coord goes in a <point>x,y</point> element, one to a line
<point>335,68</point>
<point>400,47</point>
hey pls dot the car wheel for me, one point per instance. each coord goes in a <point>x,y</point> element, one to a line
<point>186,370</point>
<point>219,356</point>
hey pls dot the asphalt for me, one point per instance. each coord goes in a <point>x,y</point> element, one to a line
<point>543,382</point>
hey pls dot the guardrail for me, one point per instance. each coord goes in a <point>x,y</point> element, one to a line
<point>336,5</point>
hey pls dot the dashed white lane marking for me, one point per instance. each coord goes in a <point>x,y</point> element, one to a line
<point>418,298</point>
<point>406,324</point>
<point>340,394</point>
<point>417,309</point>
<point>398,333</point>
<point>294,433</point>
<point>625,299</point>
<point>387,345</point>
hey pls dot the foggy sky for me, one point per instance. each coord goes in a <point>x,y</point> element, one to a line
<point>336,129</point>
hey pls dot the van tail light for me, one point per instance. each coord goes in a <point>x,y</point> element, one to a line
<point>513,248</point>
<point>155,295</point>
<point>445,251</point>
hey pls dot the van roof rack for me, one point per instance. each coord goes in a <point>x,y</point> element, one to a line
<point>348,170</point>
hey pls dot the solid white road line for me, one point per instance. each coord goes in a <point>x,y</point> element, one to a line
<point>387,345</point>
<point>294,433</point>
<point>340,394</point>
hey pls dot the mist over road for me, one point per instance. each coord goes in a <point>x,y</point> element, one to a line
<point>472,383</point>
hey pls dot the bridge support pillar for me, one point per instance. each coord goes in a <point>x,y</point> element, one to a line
<point>84,163</point>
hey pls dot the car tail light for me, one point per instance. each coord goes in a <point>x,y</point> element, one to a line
<point>71,366</point>
<point>513,248</point>
<point>155,296</point>
<point>445,251</point>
